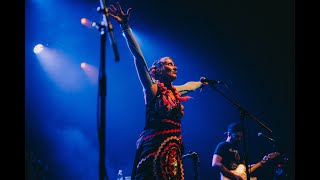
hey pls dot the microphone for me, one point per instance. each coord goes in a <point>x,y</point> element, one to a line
<point>260,134</point>
<point>205,80</point>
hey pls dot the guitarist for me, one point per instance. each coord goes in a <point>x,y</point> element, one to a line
<point>227,155</point>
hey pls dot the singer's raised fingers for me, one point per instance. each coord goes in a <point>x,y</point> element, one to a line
<point>119,7</point>
<point>113,8</point>
<point>129,11</point>
<point>112,11</point>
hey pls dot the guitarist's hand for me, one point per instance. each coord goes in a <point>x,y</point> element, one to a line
<point>264,159</point>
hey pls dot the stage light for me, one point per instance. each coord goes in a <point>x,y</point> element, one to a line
<point>83,65</point>
<point>38,48</point>
<point>86,22</point>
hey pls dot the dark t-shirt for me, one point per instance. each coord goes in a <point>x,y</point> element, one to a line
<point>231,155</point>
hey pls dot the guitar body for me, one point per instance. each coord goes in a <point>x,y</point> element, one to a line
<point>240,171</point>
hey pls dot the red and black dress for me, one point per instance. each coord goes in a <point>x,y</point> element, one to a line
<point>159,147</point>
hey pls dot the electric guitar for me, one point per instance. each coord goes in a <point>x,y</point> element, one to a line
<point>241,168</point>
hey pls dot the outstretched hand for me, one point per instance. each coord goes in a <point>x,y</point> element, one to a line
<point>119,15</point>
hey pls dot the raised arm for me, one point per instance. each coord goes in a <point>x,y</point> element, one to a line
<point>139,60</point>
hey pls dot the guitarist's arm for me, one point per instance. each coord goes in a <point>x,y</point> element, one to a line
<point>216,163</point>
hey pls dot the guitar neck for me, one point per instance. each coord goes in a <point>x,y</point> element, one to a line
<point>256,166</point>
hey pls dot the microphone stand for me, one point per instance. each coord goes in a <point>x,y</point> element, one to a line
<point>243,114</point>
<point>104,27</point>
<point>196,162</point>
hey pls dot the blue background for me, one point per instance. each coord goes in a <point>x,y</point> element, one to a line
<point>247,44</point>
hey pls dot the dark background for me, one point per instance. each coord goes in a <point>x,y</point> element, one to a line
<point>247,44</point>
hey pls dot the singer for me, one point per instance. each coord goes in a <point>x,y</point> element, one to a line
<point>159,147</point>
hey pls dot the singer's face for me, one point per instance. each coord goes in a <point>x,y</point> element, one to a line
<point>168,69</point>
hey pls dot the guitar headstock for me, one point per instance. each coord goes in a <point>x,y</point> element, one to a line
<point>271,156</point>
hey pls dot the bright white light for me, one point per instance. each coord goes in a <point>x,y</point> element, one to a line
<point>86,22</point>
<point>83,65</point>
<point>38,48</point>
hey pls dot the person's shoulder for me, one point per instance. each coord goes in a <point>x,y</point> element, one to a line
<point>221,147</point>
<point>222,143</point>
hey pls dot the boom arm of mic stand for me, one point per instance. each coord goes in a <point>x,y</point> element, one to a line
<point>107,22</point>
